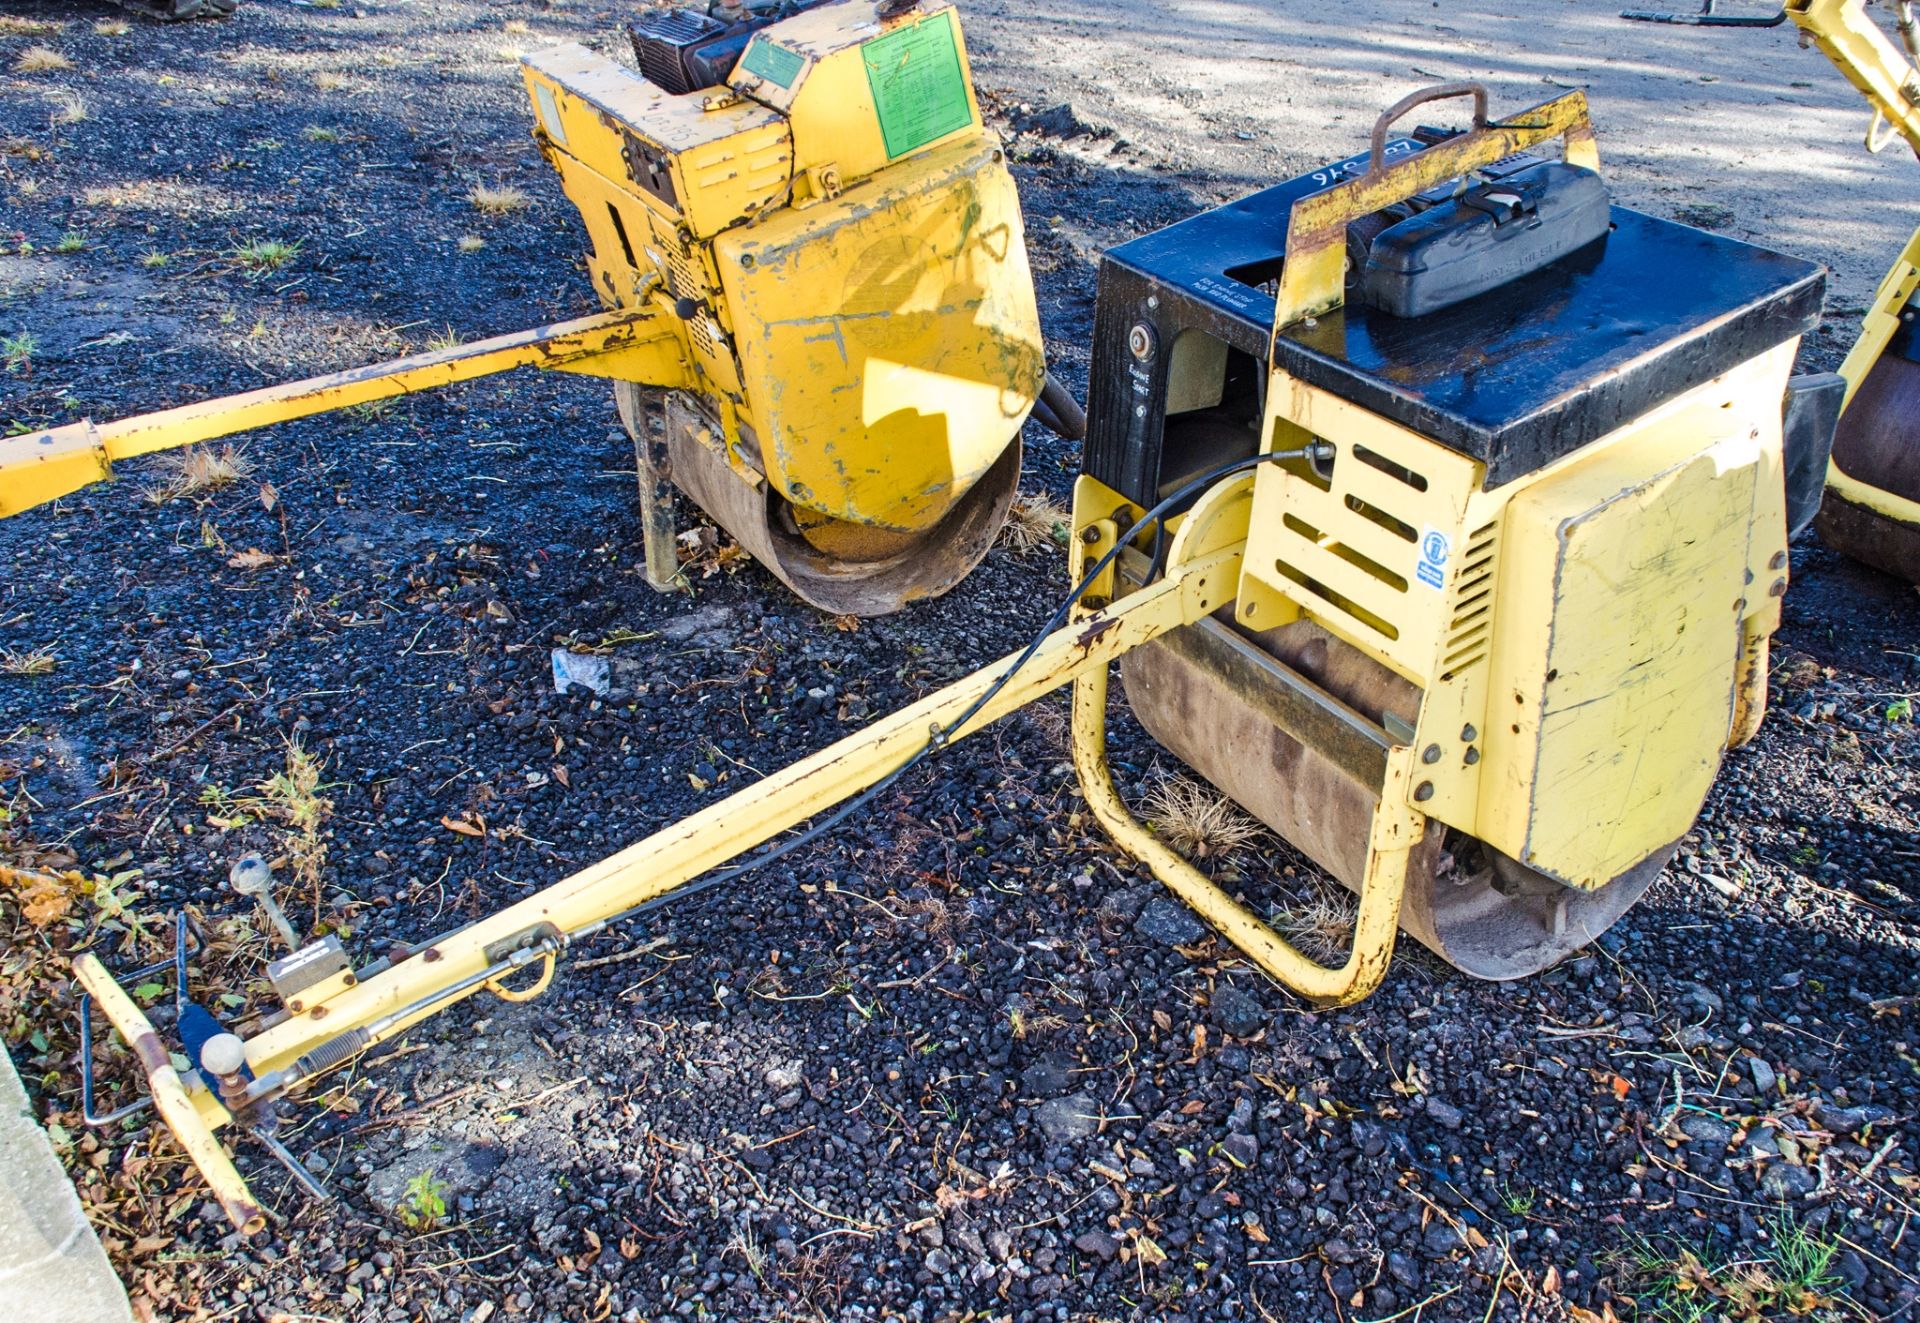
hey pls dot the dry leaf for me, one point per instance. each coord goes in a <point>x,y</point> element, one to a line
<point>847,624</point>
<point>1255,1232</point>
<point>1164,1020</point>
<point>43,899</point>
<point>1621,1087</point>
<point>1550,1281</point>
<point>269,496</point>
<point>252,559</point>
<point>560,775</point>
<point>465,826</point>
<point>1148,1251</point>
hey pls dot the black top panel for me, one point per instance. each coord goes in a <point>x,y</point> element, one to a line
<point>1516,377</point>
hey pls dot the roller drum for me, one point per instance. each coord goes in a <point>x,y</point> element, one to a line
<point>1482,912</point>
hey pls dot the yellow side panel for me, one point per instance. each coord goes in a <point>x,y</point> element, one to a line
<point>1370,551</point>
<point>889,337</point>
<point>1621,597</point>
<point>710,168</point>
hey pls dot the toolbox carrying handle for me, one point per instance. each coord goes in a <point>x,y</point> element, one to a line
<point>1313,280</point>
<point>1425,96</point>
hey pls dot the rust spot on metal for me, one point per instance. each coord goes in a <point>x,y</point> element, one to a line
<point>152,1052</point>
<point>319,1013</point>
<point>1093,633</point>
<point>431,954</point>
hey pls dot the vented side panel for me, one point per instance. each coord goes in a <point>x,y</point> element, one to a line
<point>1369,546</point>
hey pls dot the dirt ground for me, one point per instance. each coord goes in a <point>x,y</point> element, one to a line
<point>960,1061</point>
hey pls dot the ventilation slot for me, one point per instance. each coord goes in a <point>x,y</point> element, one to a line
<point>1398,472</point>
<point>1365,564</point>
<point>1470,630</point>
<point>1383,627</point>
<point>687,286</point>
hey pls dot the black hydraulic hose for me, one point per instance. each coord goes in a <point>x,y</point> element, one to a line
<point>939,737</point>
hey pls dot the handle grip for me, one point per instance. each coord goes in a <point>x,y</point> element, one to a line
<point>1425,96</point>
<point>170,1096</point>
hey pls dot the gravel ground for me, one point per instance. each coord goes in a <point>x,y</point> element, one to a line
<point>960,1061</point>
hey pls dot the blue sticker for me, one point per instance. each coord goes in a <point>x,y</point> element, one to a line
<point>1434,552</point>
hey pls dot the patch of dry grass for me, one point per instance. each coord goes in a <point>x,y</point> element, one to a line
<point>1197,820</point>
<point>497,199</point>
<point>34,661</point>
<point>329,82</point>
<point>1321,925</point>
<point>471,243</point>
<point>13,26</point>
<point>69,107</point>
<point>292,798</point>
<point>196,470</point>
<point>41,59</point>
<point>1035,520</point>
<point>113,27</point>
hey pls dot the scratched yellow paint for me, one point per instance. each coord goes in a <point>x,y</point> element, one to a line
<point>1622,603</point>
<point>889,338</point>
<point>857,308</point>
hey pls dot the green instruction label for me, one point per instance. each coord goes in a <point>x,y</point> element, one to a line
<point>918,88</point>
<point>772,61</point>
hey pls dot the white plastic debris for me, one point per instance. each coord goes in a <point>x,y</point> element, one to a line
<point>584,669</point>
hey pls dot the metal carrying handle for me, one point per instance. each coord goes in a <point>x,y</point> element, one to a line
<point>1438,92</point>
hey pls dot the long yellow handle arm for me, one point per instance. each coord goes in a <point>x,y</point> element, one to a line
<point>631,344</point>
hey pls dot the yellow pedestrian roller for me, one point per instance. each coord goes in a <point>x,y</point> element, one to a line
<point>818,255</point>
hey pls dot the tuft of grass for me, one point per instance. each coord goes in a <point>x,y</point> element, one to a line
<point>497,199</point>
<point>196,470</point>
<point>17,350</point>
<point>471,243</point>
<point>292,798</point>
<point>71,242</point>
<point>153,258</point>
<point>424,1203</point>
<point>34,661</point>
<point>69,107</point>
<point>1197,820</point>
<point>112,27</point>
<point>41,59</point>
<point>1322,924</point>
<point>329,82</point>
<point>11,26</point>
<point>1790,1276</point>
<point>447,338</point>
<point>1518,1203</point>
<point>1035,520</point>
<point>320,133</point>
<point>263,255</point>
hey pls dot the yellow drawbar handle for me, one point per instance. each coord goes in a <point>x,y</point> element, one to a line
<point>170,1096</point>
